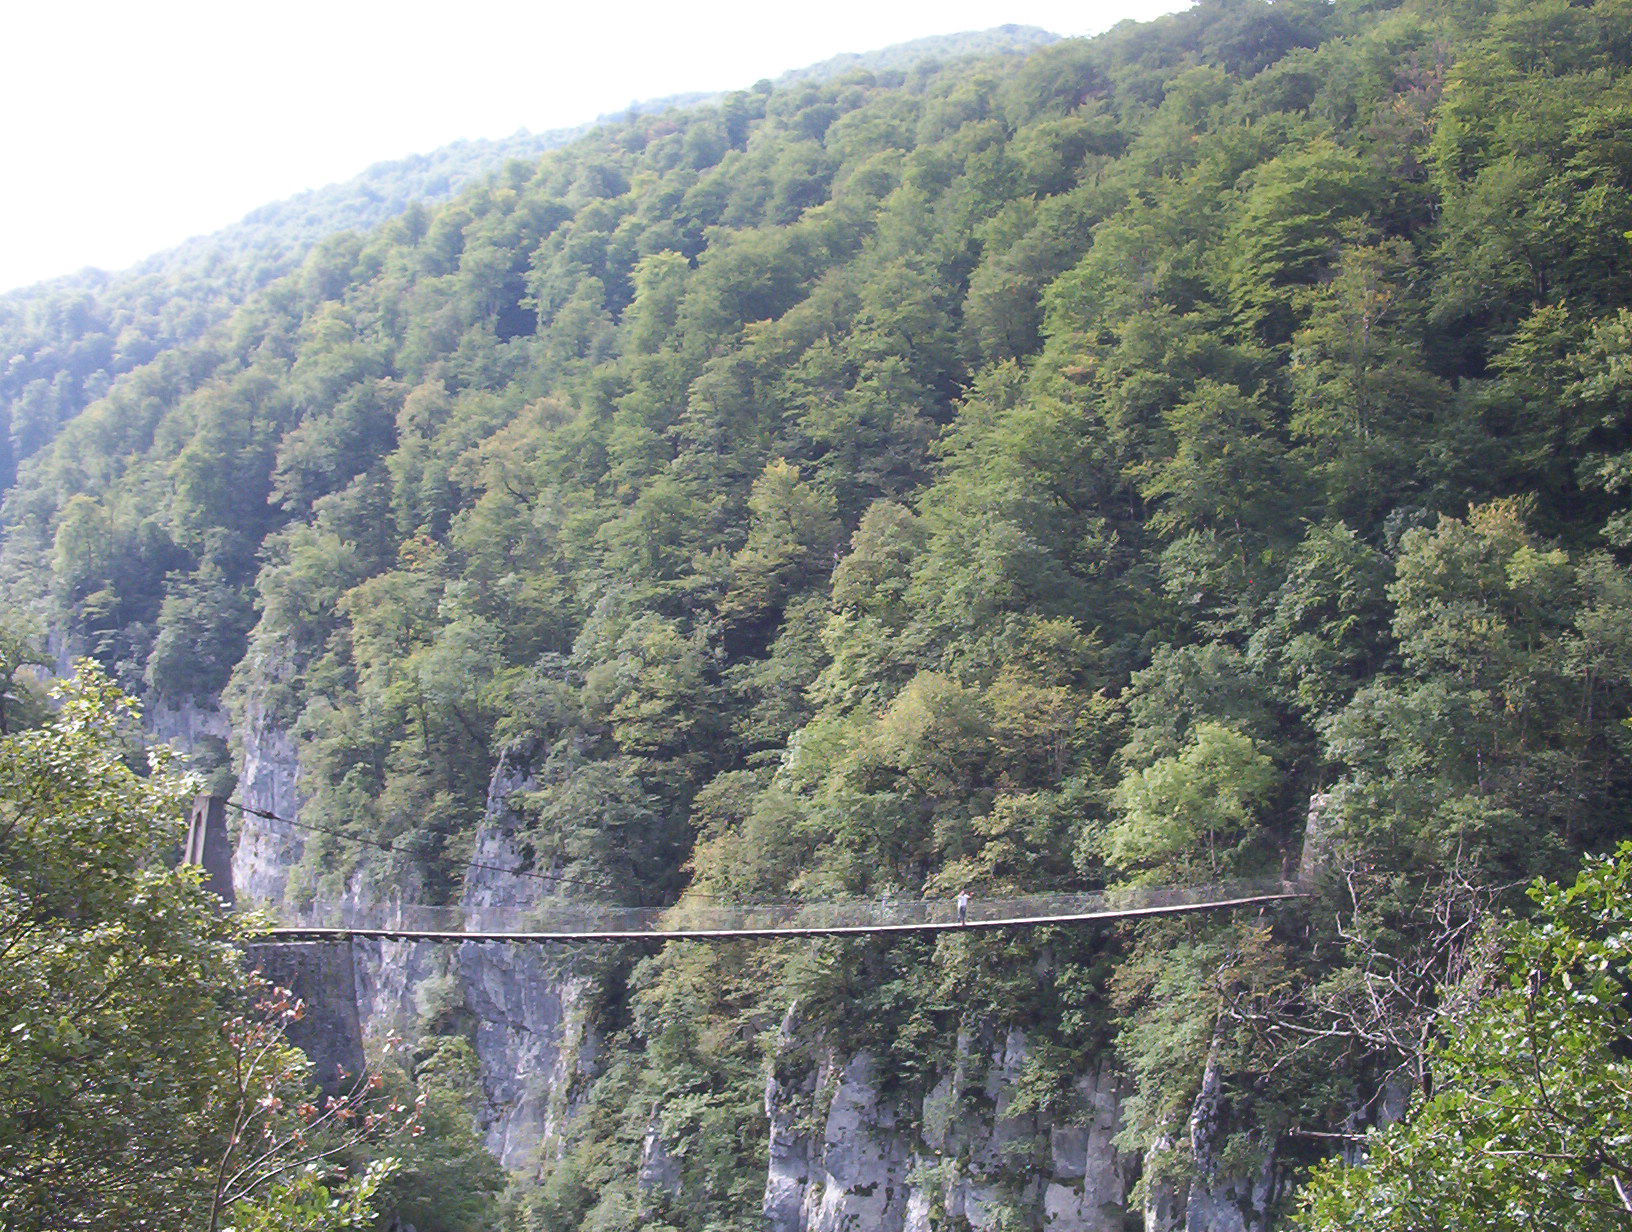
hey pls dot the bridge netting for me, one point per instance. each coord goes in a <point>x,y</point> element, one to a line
<point>556,915</point>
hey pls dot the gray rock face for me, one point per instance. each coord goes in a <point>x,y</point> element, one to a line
<point>961,1160</point>
<point>187,726</point>
<point>268,780</point>
<point>659,1170</point>
<point>526,1009</point>
<point>1319,836</point>
<point>527,1014</point>
<point>1214,1200</point>
<point>863,1163</point>
<point>63,651</point>
<point>536,1044</point>
<point>531,1006</point>
<point>396,980</point>
<point>788,1147</point>
<point>851,1173</point>
<point>1218,1201</point>
<point>1088,1188</point>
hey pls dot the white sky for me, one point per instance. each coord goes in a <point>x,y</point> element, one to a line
<point>127,127</point>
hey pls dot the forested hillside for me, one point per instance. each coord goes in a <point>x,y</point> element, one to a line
<point>64,342</point>
<point>1083,468</point>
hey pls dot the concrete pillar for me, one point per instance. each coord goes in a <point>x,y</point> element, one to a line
<point>209,847</point>
<point>322,975</point>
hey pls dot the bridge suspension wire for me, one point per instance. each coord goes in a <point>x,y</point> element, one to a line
<point>383,845</point>
<point>568,922</point>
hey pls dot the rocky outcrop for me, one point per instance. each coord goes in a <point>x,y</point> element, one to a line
<point>527,1011</point>
<point>530,1007</point>
<point>268,782</point>
<point>847,1171</point>
<point>1213,1197</point>
<point>64,650</point>
<point>845,1156</point>
<point>1089,1179</point>
<point>659,1170</point>
<point>188,726</point>
<point>788,1109</point>
<point>1321,825</point>
<point>1220,1199</point>
<point>536,1043</point>
<point>267,759</point>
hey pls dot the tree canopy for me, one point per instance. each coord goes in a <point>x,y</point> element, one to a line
<point>1528,1125</point>
<point>1143,459</point>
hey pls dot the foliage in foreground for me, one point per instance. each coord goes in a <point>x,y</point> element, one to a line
<point>145,1077</point>
<point>1530,1125</point>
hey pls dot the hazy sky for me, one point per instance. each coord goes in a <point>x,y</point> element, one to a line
<point>127,127</point>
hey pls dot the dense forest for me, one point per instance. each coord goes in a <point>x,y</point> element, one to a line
<point>1089,467</point>
<point>67,340</point>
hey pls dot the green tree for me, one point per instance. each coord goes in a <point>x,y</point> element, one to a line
<point>1529,1123</point>
<point>1498,743</point>
<point>1192,817</point>
<point>1287,231</point>
<point>144,1077</point>
<point>1363,402</point>
<point>1228,470</point>
<point>791,534</point>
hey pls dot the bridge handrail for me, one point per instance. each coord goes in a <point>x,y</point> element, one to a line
<point>562,915</point>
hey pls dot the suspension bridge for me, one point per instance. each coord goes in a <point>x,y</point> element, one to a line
<point>567,921</point>
<point>559,919</point>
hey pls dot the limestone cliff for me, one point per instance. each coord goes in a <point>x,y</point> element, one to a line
<point>268,781</point>
<point>526,1009</point>
<point>845,1156</point>
<point>529,1006</point>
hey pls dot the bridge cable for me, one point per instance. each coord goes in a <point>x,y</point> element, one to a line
<point>382,845</point>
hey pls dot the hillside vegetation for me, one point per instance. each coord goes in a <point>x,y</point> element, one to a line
<point>64,342</point>
<point>1050,471</point>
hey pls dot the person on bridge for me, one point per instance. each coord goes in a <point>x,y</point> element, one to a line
<point>963,906</point>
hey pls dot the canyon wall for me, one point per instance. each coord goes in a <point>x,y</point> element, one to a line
<point>843,1152</point>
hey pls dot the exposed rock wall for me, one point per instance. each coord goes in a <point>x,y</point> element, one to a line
<point>63,650</point>
<point>844,1156</point>
<point>525,1008</point>
<point>188,726</point>
<point>843,1153</point>
<point>1219,1200</point>
<point>1089,1178</point>
<point>268,780</point>
<point>267,760</point>
<point>837,1160</point>
<point>537,1046</point>
<point>530,1005</point>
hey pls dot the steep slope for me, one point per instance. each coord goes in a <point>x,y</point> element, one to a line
<point>66,341</point>
<point>1096,466</point>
